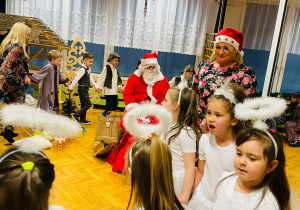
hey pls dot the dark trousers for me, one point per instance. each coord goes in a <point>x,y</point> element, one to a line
<point>85,101</point>
<point>111,103</point>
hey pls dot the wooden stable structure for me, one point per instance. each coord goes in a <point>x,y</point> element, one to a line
<point>41,37</point>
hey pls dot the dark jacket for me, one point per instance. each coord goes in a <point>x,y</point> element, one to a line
<point>108,79</point>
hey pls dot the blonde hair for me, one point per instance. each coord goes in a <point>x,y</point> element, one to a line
<point>16,35</point>
<point>151,175</point>
<point>238,58</point>
<point>54,54</point>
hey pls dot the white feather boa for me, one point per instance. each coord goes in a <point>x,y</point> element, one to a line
<point>31,117</point>
<point>260,109</point>
<point>142,111</point>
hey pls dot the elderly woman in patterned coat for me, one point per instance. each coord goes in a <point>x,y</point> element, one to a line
<point>226,65</point>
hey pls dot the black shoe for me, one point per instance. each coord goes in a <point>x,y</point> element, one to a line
<point>85,122</point>
<point>75,118</point>
<point>8,135</point>
<point>295,143</point>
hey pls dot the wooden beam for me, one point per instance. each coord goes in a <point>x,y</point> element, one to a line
<point>37,68</point>
<point>34,55</point>
<point>40,56</point>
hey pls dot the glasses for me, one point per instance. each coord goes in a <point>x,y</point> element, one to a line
<point>150,66</point>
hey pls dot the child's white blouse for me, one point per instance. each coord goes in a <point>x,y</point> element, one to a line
<point>228,198</point>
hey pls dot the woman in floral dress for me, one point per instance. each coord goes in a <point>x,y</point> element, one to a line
<point>13,56</point>
<point>227,65</point>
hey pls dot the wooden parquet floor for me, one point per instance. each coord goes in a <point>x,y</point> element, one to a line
<point>86,182</point>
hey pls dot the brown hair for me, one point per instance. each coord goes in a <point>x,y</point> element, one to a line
<point>238,58</point>
<point>240,95</point>
<point>276,180</point>
<point>25,189</point>
<point>54,54</point>
<point>151,175</point>
<point>88,55</point>
<point>188,114</point>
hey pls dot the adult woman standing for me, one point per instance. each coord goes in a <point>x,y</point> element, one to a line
<point>227,65</point>
<point>14,56</point>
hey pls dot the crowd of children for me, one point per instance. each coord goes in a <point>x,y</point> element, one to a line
<point>239,167</point>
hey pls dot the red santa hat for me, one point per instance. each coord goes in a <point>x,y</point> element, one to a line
<point>150,58</point>
<point>231,36</point>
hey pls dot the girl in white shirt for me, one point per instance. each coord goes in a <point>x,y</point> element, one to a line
<point>149,172</point>
<point>217,148</point>
<point>181,138</point>
<point>259,181</point>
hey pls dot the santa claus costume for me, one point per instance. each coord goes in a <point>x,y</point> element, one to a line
<point>146,84</point>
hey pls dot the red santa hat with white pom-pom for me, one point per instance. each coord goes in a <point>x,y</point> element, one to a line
<point>231,36</point>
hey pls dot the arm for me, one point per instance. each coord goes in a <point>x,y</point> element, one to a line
<point>199,174</point>
<point>129,91</point>
<point>101,78</point>
<point>12,55</point>
<point>94,84</point>
<point>40,75</point>
<point>248,81</point>
<point>165,87</point>
<point>79,74</point>
<point>189,166</point>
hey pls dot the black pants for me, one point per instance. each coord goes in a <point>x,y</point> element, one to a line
<point>111,103</point>
<point>85,101</point>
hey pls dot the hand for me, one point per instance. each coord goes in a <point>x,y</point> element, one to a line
<point>121,90</point>
<point>203,126</point>
<point>1,85</point>
<point>98,90</point>
<point>183,200</point>
<point>67,84</point>
<point>27,80</point>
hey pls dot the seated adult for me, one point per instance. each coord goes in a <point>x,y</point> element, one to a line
<point>186,74</point>
<point>290,127</point>
<point>226,65</point>
<point>288,114</point>
<point>146,85</point>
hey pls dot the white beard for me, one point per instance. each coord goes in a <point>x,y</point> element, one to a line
<point>150,77</point>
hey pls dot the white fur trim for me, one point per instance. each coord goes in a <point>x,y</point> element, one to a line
<point>26,116</point>
<point>149,61</point>
<point>137,129</point>
<point>228,40</point>
<point>150,94</point>
<point>131,105</point>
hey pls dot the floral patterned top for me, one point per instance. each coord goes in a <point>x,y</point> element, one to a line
<point>11,72</point>
<point>208,78</point>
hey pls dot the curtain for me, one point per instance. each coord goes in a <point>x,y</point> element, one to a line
<point>259,26</point>
<point>295,41</point>
<point>177,26</point>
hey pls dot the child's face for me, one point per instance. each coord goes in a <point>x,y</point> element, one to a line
<point>250,162</point>
<point>88,62</point>
<point>167,103</point>
<point>56,61</point>
<point>114,61</point>
<point>188,74</point>
<point>218,119</point>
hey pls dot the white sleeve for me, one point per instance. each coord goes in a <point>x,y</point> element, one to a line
<point>202,144</point>
<point>78,76</point>
<point>101,78</point>
<point>93,82</point>
<point>188,141</point>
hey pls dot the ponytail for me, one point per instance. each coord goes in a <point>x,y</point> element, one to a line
<point>151,168</point>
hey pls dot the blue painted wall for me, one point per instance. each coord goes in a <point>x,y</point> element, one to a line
<point>171,64</point>
<point>291,77</point>
<point>258,60</point>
